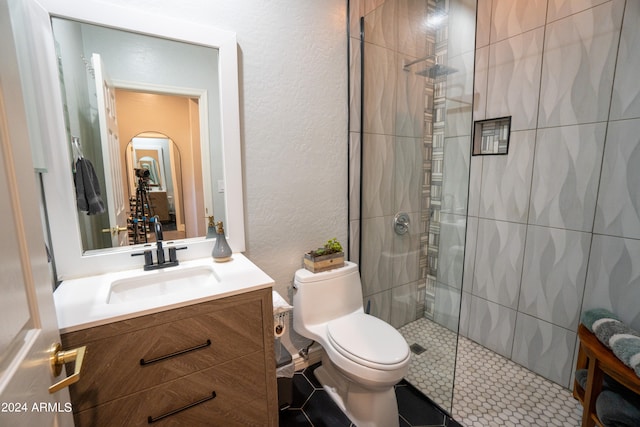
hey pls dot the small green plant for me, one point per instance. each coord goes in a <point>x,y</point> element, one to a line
<point>331,247</point>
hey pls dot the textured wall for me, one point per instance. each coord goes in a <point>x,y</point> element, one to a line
<point>293,98</point>
<point>554,226</point>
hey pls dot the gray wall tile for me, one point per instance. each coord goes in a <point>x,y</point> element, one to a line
<point>499,256</point>
<point>553,276</point>
<point>625,102</point>
<point>544,348</point>
<point>451,249</point>
<point>376,261</point>
<point>408,164</point>
<point>618,208</point>
<point>514,79</point>
<point>578,66</point>
<point>516,17</point>
<point>455,175</point>
<point>447,309</point>
<point>377,175</point>
<point>492,325</point>
<point>565,176</point>
<point>506,180</point>
<point>403,304</point>
<point>561,8</point>
<point>379,89</point>
<point>613,279</point>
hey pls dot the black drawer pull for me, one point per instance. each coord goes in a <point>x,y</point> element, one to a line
<point>177,353</point>
<point>152,420</point>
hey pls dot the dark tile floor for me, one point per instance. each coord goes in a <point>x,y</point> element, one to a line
<point>311,406</point>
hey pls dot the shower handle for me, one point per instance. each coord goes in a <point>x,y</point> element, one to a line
<point>401,223</point>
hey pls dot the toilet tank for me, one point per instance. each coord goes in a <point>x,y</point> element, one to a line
<point>320,297</point>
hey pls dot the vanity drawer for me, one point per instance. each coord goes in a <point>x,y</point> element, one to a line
<point>127,363</point>
<point>240,400</point>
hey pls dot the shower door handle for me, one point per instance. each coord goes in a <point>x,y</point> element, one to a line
<point>401,223</point>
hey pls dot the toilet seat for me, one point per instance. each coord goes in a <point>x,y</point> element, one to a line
<point>368,341</point>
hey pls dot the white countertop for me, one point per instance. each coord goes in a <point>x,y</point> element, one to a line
<point>82,303</point>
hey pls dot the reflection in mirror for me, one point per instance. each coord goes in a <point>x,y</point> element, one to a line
<point>150,85</point>
<point>154,187</point>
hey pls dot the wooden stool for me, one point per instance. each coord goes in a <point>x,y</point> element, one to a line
<point>599,360</point>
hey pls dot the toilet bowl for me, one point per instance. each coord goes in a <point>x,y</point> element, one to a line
<point>363,356</point>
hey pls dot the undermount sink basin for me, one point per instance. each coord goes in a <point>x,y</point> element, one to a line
<point>162,282</point>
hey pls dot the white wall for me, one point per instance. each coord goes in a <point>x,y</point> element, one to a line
<point>293,84</point>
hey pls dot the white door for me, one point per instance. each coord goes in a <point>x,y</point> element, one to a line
<point>116,204</point>
<point>28,325</point>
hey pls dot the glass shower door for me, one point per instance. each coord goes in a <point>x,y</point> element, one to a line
<point>411,92</point>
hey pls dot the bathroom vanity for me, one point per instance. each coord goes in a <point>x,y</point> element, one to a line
<point>198,357</point>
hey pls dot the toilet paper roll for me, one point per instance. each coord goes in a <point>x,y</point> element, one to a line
<point>279,329</point>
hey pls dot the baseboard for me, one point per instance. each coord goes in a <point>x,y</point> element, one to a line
<point>315,356</point>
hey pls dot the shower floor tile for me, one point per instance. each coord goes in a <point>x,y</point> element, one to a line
<point>490,390</point>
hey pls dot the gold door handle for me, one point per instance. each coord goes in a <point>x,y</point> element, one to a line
<point>58,358</point>
<point>114,230</point>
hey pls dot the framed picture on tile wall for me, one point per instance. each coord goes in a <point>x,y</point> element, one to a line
<point>491,136</point>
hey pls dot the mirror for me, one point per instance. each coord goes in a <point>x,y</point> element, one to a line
<point>95,59</point>
<point>217,109</point>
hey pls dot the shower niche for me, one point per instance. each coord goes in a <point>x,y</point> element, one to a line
<point>491,136</point>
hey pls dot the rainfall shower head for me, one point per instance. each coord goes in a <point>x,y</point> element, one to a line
<point>436,70</point>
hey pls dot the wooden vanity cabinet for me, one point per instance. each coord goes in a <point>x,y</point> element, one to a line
<point>210,363</point>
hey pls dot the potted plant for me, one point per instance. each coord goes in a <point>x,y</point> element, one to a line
<point>328,257</point>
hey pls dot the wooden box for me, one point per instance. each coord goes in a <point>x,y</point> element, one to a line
<point>323,262</point>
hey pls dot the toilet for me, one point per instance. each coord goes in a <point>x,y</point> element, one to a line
<point>363,356</point>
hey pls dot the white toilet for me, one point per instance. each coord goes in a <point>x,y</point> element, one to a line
<point>363,356</point>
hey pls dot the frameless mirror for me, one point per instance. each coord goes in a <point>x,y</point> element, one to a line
<point>100,54</point>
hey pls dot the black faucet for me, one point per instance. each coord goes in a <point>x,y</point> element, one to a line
<point>160,259</point>
<point>157,229</point>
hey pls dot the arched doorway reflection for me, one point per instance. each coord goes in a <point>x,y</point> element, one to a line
<point>154,176</point>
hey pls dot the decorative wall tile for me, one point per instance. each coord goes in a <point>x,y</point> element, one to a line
<point>459,99</point>
<point>379,305</point>
<point>403,304</point>
<point>354,241</point>
<point>514,79</point>
<point>558,9</point>
<point>406,253</point>
<point>376,260</point>
<point>506,180</point>
<point>565,176</point>
<point>483,23</point>
<point>514,17</point>
<point>625,102</point>
<point>412,33</point>
<point>447,309</point>
<point>381,25</point>
<point>355,85</point>
<point>613,278</point>
<point>492,325</point>
<point>451,249</point>
<point>379,89</point>
<point>499,256</point>
<point>409,112</point>
<point>618,208</point>
<point>470,254</point>
<point>377,175</point>
<point>578,66</point>
<point>544,348</point>
<point>475,182</point>
<point>455,178</point>
<point>408,175</point>
<point>354,175</point>
<point>553,276</point>
<point>461,21</point>
<point>465,311</point>
<point>480,84</point>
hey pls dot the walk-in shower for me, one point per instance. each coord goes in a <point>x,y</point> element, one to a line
<point>410,132</point>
